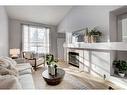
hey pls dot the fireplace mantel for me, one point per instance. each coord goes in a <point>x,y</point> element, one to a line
<point>120,46</point>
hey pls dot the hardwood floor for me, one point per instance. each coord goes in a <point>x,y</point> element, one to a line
<point>74,79</point>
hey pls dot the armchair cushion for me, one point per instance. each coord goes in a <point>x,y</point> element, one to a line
<point>40,60</point>
<point>24,68</point>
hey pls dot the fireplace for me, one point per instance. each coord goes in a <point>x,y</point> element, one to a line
<point>74,59</point>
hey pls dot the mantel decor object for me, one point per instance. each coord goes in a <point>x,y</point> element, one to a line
<point>87,36</point>
<point>92,36</point>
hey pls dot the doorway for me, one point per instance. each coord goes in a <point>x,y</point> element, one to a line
<point>60,48</point>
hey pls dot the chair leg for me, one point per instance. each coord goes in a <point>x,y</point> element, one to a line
<point>35,66</point>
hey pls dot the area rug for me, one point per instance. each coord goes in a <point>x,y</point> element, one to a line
<point>69,81</point>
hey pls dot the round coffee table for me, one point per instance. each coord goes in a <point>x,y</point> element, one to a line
<point>55,79</point>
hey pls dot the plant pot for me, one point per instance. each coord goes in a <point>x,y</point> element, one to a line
<point>87,39</point>
<point>51,70</point>
<point>122,74</point>
<point>93,39</point>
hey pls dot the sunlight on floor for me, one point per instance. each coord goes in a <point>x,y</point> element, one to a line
<point>73,79</point>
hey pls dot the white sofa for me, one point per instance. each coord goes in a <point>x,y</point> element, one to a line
<point>24,80</point>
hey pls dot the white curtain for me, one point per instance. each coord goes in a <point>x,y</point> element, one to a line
<point>35,39</point>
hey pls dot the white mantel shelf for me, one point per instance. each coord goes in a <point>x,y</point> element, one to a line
<point>120,46</point>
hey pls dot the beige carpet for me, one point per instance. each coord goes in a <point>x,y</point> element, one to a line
<point>69,82</point>
<point>73,79</point>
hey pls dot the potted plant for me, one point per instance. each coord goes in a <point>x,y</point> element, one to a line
<point>121,67</point>
<point>51,62</point>
<point>87,35</point>
<point>95,34</point>
<point>92,35</point>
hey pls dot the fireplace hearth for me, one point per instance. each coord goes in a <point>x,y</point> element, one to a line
<point>74,59</point>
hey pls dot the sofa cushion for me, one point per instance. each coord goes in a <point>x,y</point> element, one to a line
<point>20,60</point>
<point>24,68</point>
<point>9,82</point>
<point>26,81</point>
<point>26,71</point>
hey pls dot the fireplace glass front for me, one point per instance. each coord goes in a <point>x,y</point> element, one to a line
<point>74,59</point>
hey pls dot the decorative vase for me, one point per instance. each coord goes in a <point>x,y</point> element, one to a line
<point>93,38</point>
<point>51,70</point>
<point>122,74</point>
<point>87,39</point>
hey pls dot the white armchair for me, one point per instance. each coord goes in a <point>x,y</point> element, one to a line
<point>33,60</point>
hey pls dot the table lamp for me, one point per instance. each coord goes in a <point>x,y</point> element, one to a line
<point>14,53</point>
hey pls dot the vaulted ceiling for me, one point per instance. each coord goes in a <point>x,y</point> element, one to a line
<point>51,15</point>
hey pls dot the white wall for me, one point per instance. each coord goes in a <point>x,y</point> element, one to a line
<point>3,32</point>
<point>91,16</point>
<point>87,16</point>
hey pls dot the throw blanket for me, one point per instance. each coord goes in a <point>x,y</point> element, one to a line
<point>5,71</point>
<point>8,74</point>
<point>7,66</point>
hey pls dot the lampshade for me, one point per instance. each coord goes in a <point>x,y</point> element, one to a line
<point>14,52</point>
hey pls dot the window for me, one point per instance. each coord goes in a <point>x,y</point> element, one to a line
<point>122,27</point>
<point>35,39</point>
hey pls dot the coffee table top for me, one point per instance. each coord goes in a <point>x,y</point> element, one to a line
<point>60,74</point>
